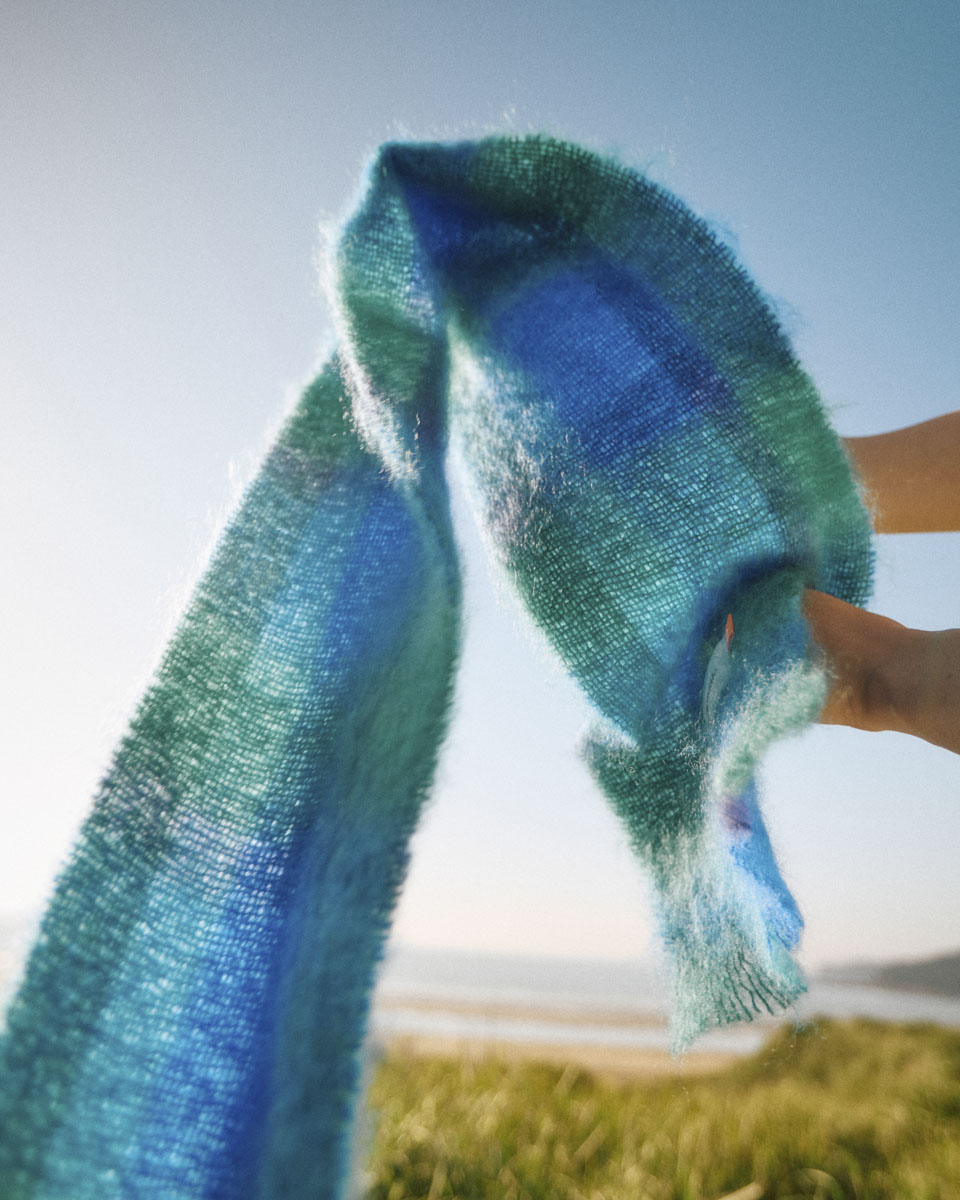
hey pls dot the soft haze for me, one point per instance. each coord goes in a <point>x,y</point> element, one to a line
<point>165,171</point>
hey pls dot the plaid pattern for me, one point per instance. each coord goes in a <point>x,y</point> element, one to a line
<point>645,457</point>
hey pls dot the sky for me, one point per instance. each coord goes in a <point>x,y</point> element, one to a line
<point>166,170</point>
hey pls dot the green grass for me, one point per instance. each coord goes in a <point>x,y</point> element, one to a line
<point>839,1109</point>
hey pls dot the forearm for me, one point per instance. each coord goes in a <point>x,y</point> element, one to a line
<point>912,476</point>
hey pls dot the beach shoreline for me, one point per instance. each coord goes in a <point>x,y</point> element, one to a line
<point>606,1039</point>
<point>512,1010</point>
<point>613,1062</point>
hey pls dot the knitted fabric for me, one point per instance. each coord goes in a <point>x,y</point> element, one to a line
<point>645,457</point>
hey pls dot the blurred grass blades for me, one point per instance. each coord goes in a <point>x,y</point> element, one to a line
<point>837,1110</point>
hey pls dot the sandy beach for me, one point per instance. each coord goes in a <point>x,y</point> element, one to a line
<point>615,1018</point>
<point>622,1062</point>
<point>606,1061</point>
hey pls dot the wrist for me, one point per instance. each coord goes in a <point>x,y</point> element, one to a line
<point>890,678</point>
<point>927,683</point>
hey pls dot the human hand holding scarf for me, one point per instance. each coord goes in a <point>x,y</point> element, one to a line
<point>885,676</point>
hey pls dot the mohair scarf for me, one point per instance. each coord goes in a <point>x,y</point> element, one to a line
<point>647,460</point>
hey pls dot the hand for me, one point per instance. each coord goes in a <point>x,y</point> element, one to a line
<point>886,676</point>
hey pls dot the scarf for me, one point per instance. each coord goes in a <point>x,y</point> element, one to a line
<point>651,469</point>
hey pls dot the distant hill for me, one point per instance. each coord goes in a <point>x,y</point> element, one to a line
<point>939,976</point>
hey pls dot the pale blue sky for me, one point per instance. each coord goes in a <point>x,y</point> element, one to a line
<point>165,170</point>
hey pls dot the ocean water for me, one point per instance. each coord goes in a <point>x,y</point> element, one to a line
<point>636,987</point>
<point>616,1004</point>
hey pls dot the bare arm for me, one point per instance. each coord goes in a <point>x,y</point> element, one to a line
<point>912,476</point>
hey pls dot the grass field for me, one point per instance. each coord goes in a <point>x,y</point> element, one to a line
<point>838,1109</point>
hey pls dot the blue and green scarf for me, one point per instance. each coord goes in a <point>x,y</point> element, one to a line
<point>651,468</point>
